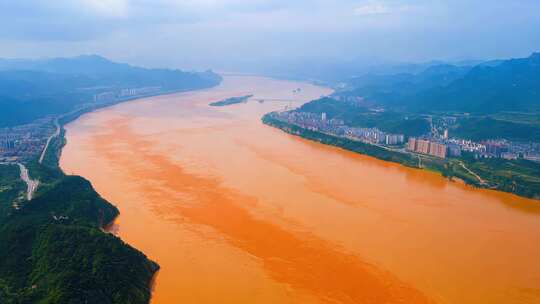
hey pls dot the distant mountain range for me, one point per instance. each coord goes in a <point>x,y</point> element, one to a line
<point>489,87</point>
<point>30,89</point>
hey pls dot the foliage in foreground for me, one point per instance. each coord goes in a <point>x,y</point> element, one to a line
<point>11,188</point>
<point>53,250</point>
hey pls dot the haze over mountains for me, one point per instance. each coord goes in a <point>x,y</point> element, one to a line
<point>507,85</point>
<point>264,183</point>
<point>31,89</point>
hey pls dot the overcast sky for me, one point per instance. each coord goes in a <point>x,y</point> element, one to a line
<point>223,34</point>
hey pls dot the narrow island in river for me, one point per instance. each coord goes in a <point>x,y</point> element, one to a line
<point>288,220</point>
<point>231,101</point>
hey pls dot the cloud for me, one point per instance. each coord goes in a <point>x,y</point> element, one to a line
<point>372,8</point>
<point>375,8</point>
<point>199,31</point>
<point>107,8</point>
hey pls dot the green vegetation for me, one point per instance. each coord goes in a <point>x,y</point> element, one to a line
<point>231,101</point>
<point>393,90</point>
<point>52,155</point>
<point>53,249</point>
<point>521,176</point>
<point>32,89</point>
<point>347,144</point>
<point>510,126</point>
<point>488,127</point>
<point>357,116</point>
<point>12,189</point>
<point>516,117</point>
<point>509,85</point>
<point>516,176</point>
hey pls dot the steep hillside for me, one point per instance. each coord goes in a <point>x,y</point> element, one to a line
<point>497,86</point>
<point>513,85</point>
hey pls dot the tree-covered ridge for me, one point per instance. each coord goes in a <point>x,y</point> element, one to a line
<point>33,89</point>
<point>53,251</point>
<point>11,189</point>
<point>359,116</point>
<point>487,127</point>
<point>508,85</point>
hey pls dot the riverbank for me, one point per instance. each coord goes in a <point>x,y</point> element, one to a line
<point>32,185</point>
<point>58,237</point>
<point>233,209</point>
<point>491,173</point>
<point>58,251</point>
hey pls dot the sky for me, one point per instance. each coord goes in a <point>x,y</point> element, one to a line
<point>240,34</point>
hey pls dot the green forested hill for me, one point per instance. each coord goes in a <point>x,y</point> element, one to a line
<point>357,116</point>
<point>53,251</point>
<point>11,189</point>
<point>513,85</point>
<point>33,89</point>
<point>508,85</point>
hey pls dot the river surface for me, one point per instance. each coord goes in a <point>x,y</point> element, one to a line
<point>238,212</point>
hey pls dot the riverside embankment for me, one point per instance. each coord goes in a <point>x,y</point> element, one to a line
<point>239,212</point>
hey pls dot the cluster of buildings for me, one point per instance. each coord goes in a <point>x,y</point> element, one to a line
<point>467,145</point>
<point>105,97</point>
<point>486,149</point>
<point>312,121</point>
<point>374,136</point>
<point>438,144</point>
<point>320,122</point>
<point>511,150</point>
<point>110,96</point>
<point>430,147</point>
<point>394,139</point>
<point>139,91</point>
<point>24,142</point>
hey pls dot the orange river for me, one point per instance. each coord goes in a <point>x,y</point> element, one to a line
<point>235,211</point>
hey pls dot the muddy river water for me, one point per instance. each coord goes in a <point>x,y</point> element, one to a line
<point>235,211</point>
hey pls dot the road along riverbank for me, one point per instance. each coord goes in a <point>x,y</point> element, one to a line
<point>237,211</point>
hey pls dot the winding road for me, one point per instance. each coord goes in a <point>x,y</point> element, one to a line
<point>32,185</point>
<point>55,134</point>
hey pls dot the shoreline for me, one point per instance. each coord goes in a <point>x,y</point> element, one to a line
<point>110,227</point>
<point>46,170</point>
<point>314,185</point>
<point>433,165</point>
